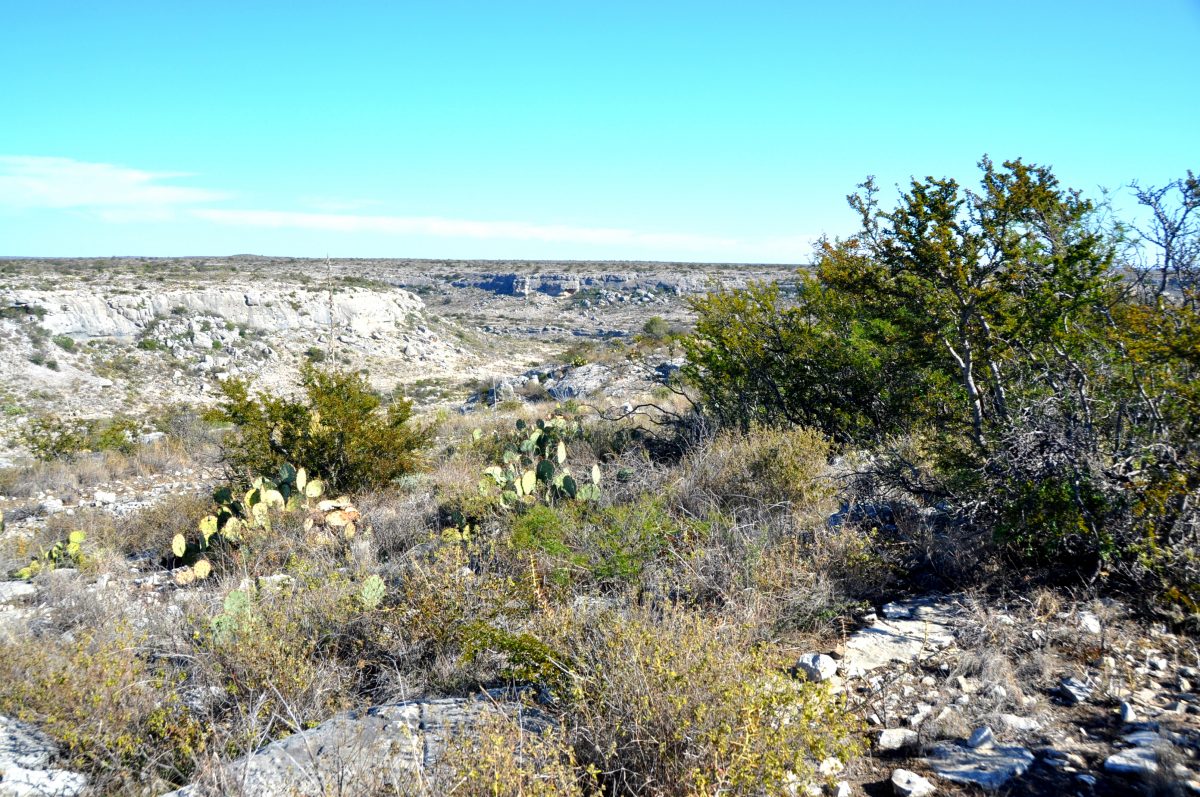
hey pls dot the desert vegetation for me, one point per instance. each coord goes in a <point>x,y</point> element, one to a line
<point>987,392</point>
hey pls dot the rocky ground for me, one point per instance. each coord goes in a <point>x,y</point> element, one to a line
<point>957,694</point>
<point>94,338</point>
<point>958,697</point>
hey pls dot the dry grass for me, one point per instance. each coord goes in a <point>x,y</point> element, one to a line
<point>78,477</point>
<point>766,471</point>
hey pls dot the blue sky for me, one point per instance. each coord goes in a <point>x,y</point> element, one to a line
<point>558,130</point>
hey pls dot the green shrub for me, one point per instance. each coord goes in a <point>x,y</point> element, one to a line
<point>64,342</point>
<point>50,437</point>
<point>619,542</point>
<point>118,716</point>
<point>656,327</point>
<point>539,529</point>
<point>339,429</point>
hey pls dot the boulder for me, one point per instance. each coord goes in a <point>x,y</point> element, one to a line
<point>14,590</point>
<point>816,667</point>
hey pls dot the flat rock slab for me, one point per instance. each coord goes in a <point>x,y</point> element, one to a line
<point>926,628</point>
<point>20,782</point>
<point>1135,761</point>
<point>12,590</point>
<point>22,745</point>
<point>25,756</point>
<point>988,768</point>
<point>366,752</point>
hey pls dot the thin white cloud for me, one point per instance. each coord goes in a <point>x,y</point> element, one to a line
<point>122,195</point>
<point>460,228</point>
<point>28,181</point>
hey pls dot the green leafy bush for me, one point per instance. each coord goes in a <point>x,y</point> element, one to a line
<point>119,717</point>
<point>50,437</point>
<point>339,429</point>
<point>656,328</point>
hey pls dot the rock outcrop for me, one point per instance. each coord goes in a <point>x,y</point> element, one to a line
<point>83,314</point>
<point>361,753</point>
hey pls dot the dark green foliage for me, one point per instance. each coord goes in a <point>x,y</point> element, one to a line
<point>339,429</point>
<point>812,362</point>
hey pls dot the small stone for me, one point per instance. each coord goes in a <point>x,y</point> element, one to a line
<point>104,497</point>
<point>895,739</point>
<point>928,680</point>
<point>896,611</point>
<point>965,685</point>
<point>1089,622</point>
<point>1128,715</point>
<point>1183,685</point>
<point>1087,779</point>
<point>1074,691</point>
<point>817,666</point>
<point>1020,724</point>
<point>51,505</point>
<point>906,783</point>
<point>1159,663</point>
<point>982,738</point>
<point>997,692</point>
<point>839,789</point>
<point>918,716</point>
<point>830,767</point>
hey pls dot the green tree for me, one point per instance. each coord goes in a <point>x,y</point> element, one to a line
<point>1052,386</point>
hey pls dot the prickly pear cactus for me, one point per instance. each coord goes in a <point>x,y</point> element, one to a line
<point>238,517</point>
<point>536,469</point>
